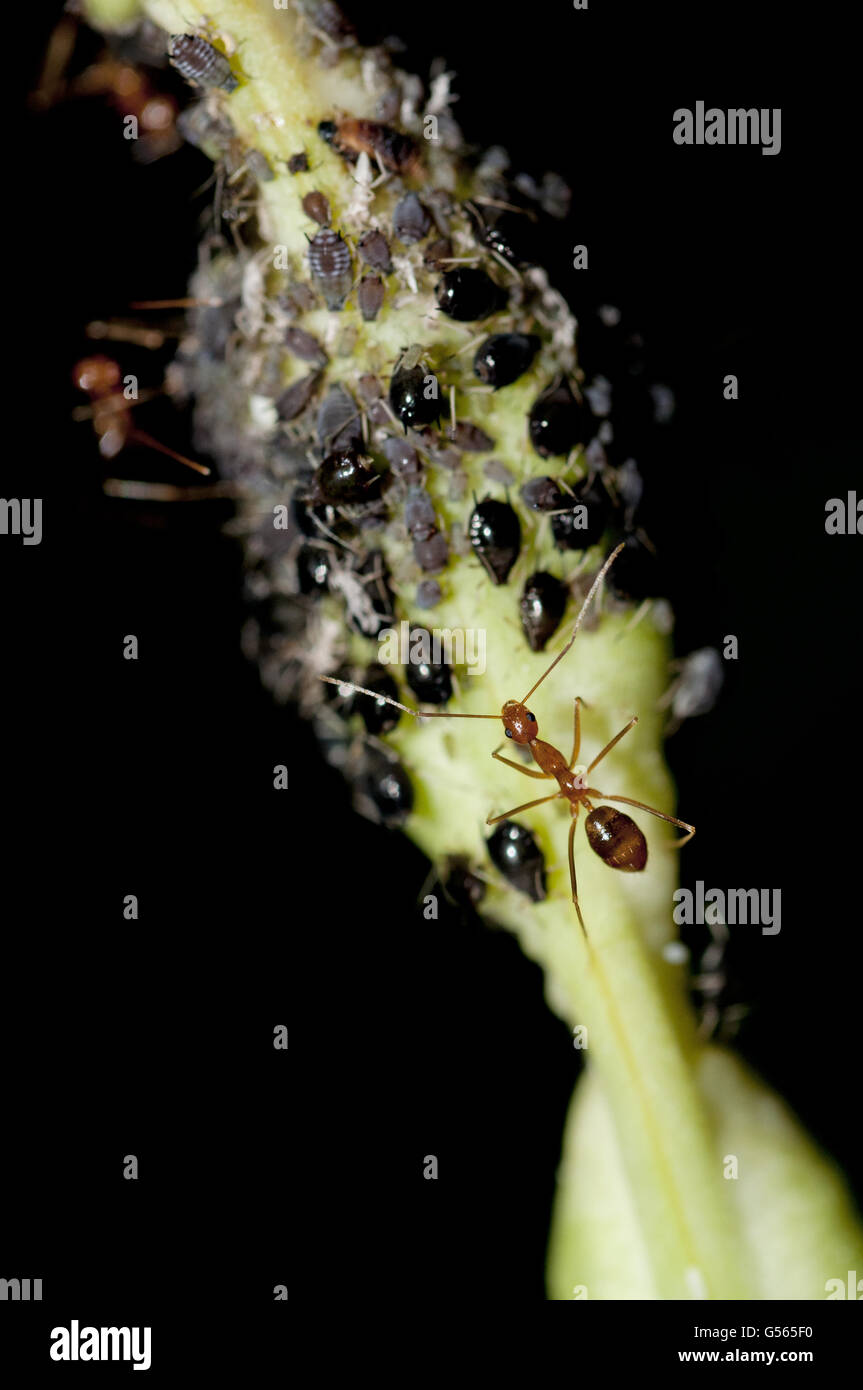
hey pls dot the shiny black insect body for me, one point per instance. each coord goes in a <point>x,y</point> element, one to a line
<point>414,392</point>
<point>468,293</point>
<point>557,421</point>
<point>495,534</point>
<point>513,850</point>
<point>543,603</point>
<point>504,357</point>
<point>347,477</point>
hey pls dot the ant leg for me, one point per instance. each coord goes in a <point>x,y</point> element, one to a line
<point>520,767</point>
<point>576,741</point>
<point>540,801</point>
<point>572,877</point>
<point>672,820</point>
<point>608,747</point>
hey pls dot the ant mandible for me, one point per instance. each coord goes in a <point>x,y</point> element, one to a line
<point>612,834</point>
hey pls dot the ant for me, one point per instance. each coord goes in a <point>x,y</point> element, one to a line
<point>612,834</point>
<point>111,412</point>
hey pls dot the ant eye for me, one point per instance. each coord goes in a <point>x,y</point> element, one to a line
<point>508,733</point>
<point>531,717</point>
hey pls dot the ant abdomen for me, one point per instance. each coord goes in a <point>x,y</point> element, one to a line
<point>616,839</point>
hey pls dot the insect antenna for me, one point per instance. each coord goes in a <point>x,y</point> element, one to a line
<point>584,607</point>
<point>417,714</point>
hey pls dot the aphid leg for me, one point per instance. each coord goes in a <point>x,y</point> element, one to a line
<point>672,820</point>
<point>540,801</point>
<point>520,767</point>
<point>608,747</point>
<point>576,740</point>
<point>572,878</point>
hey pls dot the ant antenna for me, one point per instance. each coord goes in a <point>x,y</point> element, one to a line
<point>417,714</point>
<point>584,607</point>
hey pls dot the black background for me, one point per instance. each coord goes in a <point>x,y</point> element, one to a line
<point>256,908</point>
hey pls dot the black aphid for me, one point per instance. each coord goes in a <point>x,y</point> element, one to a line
<point>495,534</point>
<point>470,438</point>
<point>346,478</point>
<point>513,850</point>
<point>378,717</point>
<point>542,605</point>
<point>330,264</point>
<point>414,392</point>
<point>640,574</point>
<point>557,421</point>
<point>467,293</point>
<point>504,357</point>
<point>384,791</point>
<point>430,681</point>
<point>586,517</point>
<point>298,163</point>
<point>313,569</point>
<point>199,62</point>
<point>513,235</point>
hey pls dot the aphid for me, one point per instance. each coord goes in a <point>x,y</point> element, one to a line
<point>429,593</point>
<point>542,494</point>
<point>375,252</point>
<point>393,150</point>
<point>111,413</point>
<point>411,222</point>
<point>414,392</point>
<point>378,715</point>
<point>557,421</point>
<point>384,791</point>
<point>402,458</point>
<point>201,63</point>
<point>470,438</point>
<point>339,425</point>
<point>370,297</point>
<point>303,345</point>
<point>504,357</point>
<point>431,548</point>
<point>611,834</point>
<point>293,401</point>
<point>313,570</point>
<point>346,478</point>
<point>495,534</point>
<point>512,235</point>
<point>585,519</point>
<point>637,576</point>
<point>298,163</point>
<point>542,605</point>
<point>430,681</point>
<point>437,253</point>
<point>463,886</point>
<point>513,850</point>
<point>330,264</point>
<point>467,293</point>
<point>316,206</point>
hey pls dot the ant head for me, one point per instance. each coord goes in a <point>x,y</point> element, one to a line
<point>98,376</point>
<point>518,722</point>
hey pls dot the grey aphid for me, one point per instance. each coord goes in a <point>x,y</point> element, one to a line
<point>199,62</point>
<point>330,264</point>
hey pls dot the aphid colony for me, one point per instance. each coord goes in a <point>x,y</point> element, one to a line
<point>368,454</point>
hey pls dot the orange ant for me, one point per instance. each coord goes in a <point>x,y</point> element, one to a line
<point>612,834</point>
<point>111,413</point>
